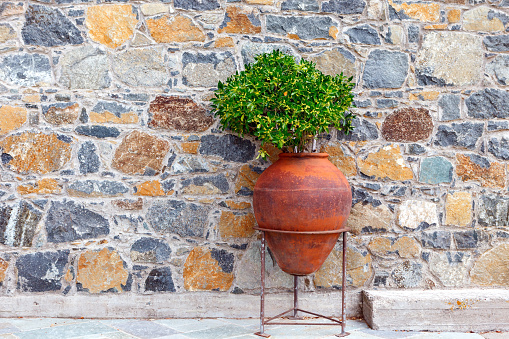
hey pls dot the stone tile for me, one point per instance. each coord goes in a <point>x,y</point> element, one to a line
<point>111,335</point>
<point>66,331</point>
<point>188,325</point>
<point>389,334</point>
<point>6,327</point>
<point>142,329</point>
<point>447,335</point>
<point>38,323</point>
<point>225,331</point>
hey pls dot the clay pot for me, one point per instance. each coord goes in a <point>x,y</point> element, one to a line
<point>306,195</point>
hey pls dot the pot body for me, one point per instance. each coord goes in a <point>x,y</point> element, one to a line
<point>302,192</point>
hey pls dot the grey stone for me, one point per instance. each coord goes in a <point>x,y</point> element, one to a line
<point>98,131</point>
<point>111,107</point>
<point>416,149</point>
<point>363,34</point>
<point>488,103</point>
<point>493,210</point>
<point>42,271</point>
<point>229,147</point>
<point>26,69</point>
<point>88,158</point>
<point>386,103</point>
<point>500,69</point>
<point>174,216</point>
<point>46,26</point>
<point>499,147</point>
<point>497,43</point>
<point>225,259</point>
<point>449,105</point>
<point>385,69</point>
<point>435,170</point>
<point>190,164</point>
<point>85,68</point>
<point>335,61</point>
<point>160,280</point>
<point>98,188</point>
<point>218,181</point>
<point>362,103</point>
<point>306,28</point>
<point>497,125</point>
<point>469,239</point>
<point>461,135</point>
<point>436,239</point>
<point>413,34</point>
<point>344,6</point>
<point>67,221</point>
<point>363,130</point>
<point>300,5</point>
<point>361,195</point>
<point>252,49</point>
<point>205,70</point>
<point>407,275</point>
<point>150,250</point>
<point>18,224</point>
<point>450,267</point>
<point>141,67</point>
<point>197,5</point>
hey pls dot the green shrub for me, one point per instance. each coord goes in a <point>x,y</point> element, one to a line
<point>282,102</point>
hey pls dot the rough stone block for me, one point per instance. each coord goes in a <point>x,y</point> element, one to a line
<point>385,69</point>
<point>41,271</point>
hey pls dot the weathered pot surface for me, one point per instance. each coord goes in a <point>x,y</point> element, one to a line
<point>302,192</point>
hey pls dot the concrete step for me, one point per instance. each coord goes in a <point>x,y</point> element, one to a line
<point>459,310</point>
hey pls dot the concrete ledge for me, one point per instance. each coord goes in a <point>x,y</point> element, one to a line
<point>172,305</point>
<point>437,310</point>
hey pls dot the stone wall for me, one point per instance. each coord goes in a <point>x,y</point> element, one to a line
<point>115,178</point>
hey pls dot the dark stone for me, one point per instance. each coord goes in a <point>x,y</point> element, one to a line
<point>98,131</point>
<point>468,239</point>
<point>197,5</point>
<point>18,224</point>
<point>407,275</point>
<point>463,135</point>
<point>488,103</point>
<point>425,78</point>
<point>300,5</point>
<point>174,216</point>
<point>397,191</point>
<point>436,239</point>
<point>344,6</point>
<point>385,69</point>
<point>497,43</point>
<point>363,34</point>
<point>46,26</point>
<point>395,94</point>
<point>67,221</point>
<point>42,271</point>
<point>449,107</point>
<point>386,103</point>
<point>105,188</point>
<point>229,147</point>
<point>416,149</point>
<point>499,15</point>
<point>397,15</point>
<point>218,181</point>
<point>150,250</point>
<point>493,211</point>
<point>381,279</point>
<point>408,125</point>
<point>307,28</point>
<point>497,125</point>
<point>88,158</point>
<point>361,195</point>
<point>112,107</point>
<point>363,130</point>
<point>499,67</point>
<point>499,147</point>
<point>26,69</point>
<point>224,259</point>
<point>160,280</point>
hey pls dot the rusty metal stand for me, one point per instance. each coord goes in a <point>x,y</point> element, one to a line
<point>296,308</point>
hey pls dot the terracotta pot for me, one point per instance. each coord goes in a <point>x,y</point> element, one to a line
<point>302,192</point>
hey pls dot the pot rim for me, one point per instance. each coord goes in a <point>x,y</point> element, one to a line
<point>303,155</point>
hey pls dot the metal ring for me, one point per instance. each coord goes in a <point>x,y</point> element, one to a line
<point>301,232</point>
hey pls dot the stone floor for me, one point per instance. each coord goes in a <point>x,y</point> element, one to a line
<point>48,328</point>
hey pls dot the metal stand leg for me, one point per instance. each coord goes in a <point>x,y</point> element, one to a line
<point>262,290</point>
<point>295,297</point>
<point>343,292</point>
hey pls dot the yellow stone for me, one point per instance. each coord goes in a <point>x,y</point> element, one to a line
<point>151,189</point>
<point>232,225</point>
<point>437,26</point>
<point>11,118</point>
<point>190,147</point>
<point>407,247</point>
<point>3,269</point>
<point>111,25</point>
<point>425,12</point>
<point>246,179</point>
<point>344,163</point>
<point>424,95</point>
<point>237,205</point>
<point>32,98</point>
<point>224,42</point>
<point>478,19</point>
<point>458,209</point>
<point>102,270</point>
<point>108,117</point>
<point>386,163</point>
<point>43,186</point>
<point>203,273</point>
<point>453,16</point>
<point>6,33</point>
<point>180,29</point>
<point>369,218</point>
<point>492,268</point>
<point>380,246</point>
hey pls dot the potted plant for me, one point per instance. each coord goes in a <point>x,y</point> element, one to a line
<point>302,200</point>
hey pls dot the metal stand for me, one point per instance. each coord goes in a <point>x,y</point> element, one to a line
<point>296,308</point>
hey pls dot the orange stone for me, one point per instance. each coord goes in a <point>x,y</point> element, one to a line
<point>246,178</point>
<point>453,16</point>
<point>492,176</point>
<point>235,225</point>
<point>151,189</point>
<point>40,153</point>
<point>203,273</point>
<point>62,115</point>
<point>239,22</point>
<point>108,117</point>
<point>425,12</point>
<point>111,25</point>
<point>333,32</point>
<point>260,2</point>
<point>102,270</point>
<point>224,42</point>
<point>190,147</point>
<point>237,205</point>
<point>180,29</point>
<point>11,118</point>
<point>11,8</point>
<point>344,163</point>
<point>293,36</point>
<point>3,269</point>
<point>129,205</point>
<point>437,26</point>
<point>424,95</point>
<point>272,151</point>
<point>458,209</point>
<point>386,163</point>
<point>32,98</point>
<point>43,186</point>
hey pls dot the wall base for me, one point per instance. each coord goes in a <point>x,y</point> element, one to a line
<point>437,310</point>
